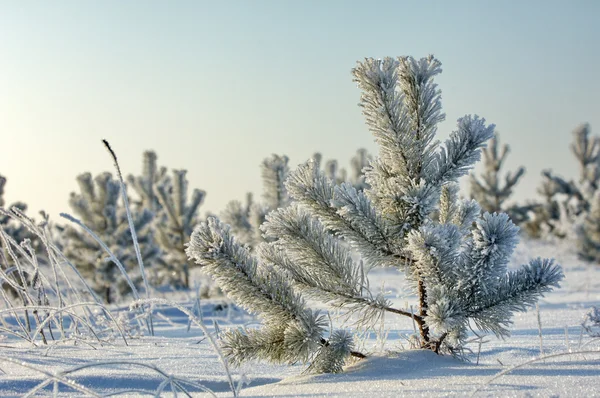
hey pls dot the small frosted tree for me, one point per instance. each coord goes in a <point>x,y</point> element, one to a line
<point>591,322</point>
<point>567,200</point>
<point>18,233</point>
<point>587,232</point>
<point>359,162</point>
<point>245,220</point>
<point>491,190</point>
<point>324,244</point>
<point>339,175</point>
<point>16,230</point>
<point>98,207</point>
<point>175,215</point>
<point>570,208</point>
<point>145,184</point>
<point>587,225</point>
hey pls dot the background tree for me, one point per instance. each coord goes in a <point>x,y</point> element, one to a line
<point>19,233</point>
<point>245,220</point>
<point>358,163</point>
<point>15,230</point>
<point>99,208</point>
<point>356,177</point>
<point>176,214</point>
<point>324,243</point>
<point>491,190</point>
<point>587,232</point>
<point>144,184</point>
<point>568,203</point>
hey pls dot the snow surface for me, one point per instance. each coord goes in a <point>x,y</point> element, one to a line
<point>391,370</point>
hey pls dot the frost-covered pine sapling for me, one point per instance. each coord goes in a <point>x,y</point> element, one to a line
<point>334,172</point>
<point>587,232</point>
<point>339,175</point>
<point>98,207</point>
<point>556,192</point>
<point>591,322</point>
<point>358,164</point>
<point>491,190</point>
<point>567,204</point>
<point>145,184</point>
<point>325,243</point>
<point>175,222</point>
<point>175,215</point>
<point>587,152</point>
<point>237,215</point>
<point>17,231</point>
<point>587,226</point>
<point>245,220</point>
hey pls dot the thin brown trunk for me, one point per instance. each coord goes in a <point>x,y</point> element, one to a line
<point>438,344</point>
<point>423,328</point>
<point>186,277</point>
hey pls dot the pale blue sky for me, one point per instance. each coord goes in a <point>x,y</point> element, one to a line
<point>214,87</point>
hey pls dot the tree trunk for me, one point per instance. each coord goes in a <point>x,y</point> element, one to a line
<point>107,295</point>
<point>423,328</point>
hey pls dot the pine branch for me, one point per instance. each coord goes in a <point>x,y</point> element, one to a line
<point>310,188</point>
<point>461,150</point>
<point>291,331</point>
<point>515,292</point>
<point>238,274</point>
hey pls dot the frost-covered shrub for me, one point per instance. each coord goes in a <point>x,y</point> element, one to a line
<point>245,219</point>
<point>358,163</point>
<point>491,190</point>
<point>175,215</point>
<point>571,209</point>
<point>339,175</point>
<point>16,230</point>
<point>591,322</point>
<point>99,208</point>
<point>325,242</point>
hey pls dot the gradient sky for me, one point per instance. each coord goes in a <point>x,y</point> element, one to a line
<point>214,87</point>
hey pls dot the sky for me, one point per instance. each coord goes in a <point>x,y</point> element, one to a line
<point>216,86</point>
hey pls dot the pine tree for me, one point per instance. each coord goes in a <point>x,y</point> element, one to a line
<point>98,207</point>
<point>245,220</point>
<point>568,207</point>
<point>339,175</point>
<point>587,226</point>
<point>489,190</point>
<point>587,232</point>
<point>335,173</point>
<point>145,184</point>
<point>174,225</point>
<point>175,217</point>
<point>324,243</point>
<point>358,163</point>
<point>17,231</point>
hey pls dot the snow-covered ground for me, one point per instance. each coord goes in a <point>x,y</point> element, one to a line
<point>186,358</point>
